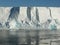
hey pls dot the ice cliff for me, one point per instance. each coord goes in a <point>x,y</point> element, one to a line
<point>30,17</point>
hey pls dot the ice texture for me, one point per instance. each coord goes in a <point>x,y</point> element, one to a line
<point>30,17</point>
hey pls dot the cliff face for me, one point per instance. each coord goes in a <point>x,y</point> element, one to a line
<point>42,17</point>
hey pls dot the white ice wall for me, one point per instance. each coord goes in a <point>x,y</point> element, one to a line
<point>4,13</point>
<point>43,13</point>
<point>22,14</point>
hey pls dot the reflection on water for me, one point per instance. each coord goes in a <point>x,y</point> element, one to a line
<point>18,37</point>
<point>29,37</point>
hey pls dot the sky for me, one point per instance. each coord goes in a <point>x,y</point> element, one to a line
<point>48,3</point>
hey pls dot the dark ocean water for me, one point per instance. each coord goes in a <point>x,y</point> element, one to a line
<point>28,37</point>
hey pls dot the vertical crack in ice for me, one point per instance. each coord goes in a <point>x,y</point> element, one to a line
<point>29,13</point>
<point>53,26</point>
<point>14,12</point>
<point>37,15</point>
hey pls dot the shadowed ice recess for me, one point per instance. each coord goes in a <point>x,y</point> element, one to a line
<point>30,17</point>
